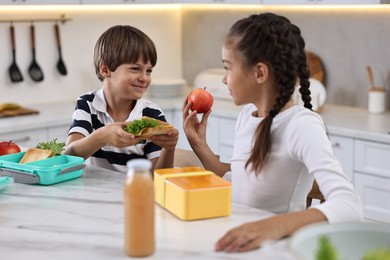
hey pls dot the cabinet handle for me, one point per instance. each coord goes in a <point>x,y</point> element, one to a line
<point>335,144</point>
<point>22,139</point>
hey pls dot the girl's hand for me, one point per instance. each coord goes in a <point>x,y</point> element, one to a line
<point>194,130</point>
<point>250,236</point>
<point>168,141</point>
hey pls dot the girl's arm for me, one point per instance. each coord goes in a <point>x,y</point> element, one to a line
<point>252,235</point>
<point>195,131</point>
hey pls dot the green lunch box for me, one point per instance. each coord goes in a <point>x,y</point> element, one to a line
<point>45,172</point>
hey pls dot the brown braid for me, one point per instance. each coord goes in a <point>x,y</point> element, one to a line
<point>273,40</point>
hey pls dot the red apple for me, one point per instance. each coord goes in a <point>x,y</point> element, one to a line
<point>201,100</point>
<point>9,147</point>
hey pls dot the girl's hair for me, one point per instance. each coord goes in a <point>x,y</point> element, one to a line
<point>122,44</point>
<point>275,41</point>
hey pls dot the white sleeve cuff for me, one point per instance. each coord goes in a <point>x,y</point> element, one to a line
<point>227,176</point>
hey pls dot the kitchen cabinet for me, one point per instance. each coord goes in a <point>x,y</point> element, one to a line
<point>320,2</point>
<point>343,150</point>
<point>40,2</point>
<point>127,1</point>
<point>372,178</point>
<point>31,137</point>
<point>219,1</point>
<point>220,133</point>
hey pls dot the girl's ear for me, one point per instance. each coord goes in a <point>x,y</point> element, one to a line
<point>262,72</point>
<point>104,71</point>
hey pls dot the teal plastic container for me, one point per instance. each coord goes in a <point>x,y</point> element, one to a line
<point>45,172</point>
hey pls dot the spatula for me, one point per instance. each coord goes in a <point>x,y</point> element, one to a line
<point>14,71</point>
<point>60,65</point>
<point>34,70</point>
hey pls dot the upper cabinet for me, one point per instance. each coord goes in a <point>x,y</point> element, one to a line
<point>171,1</point>
<point>40,2</point>
<point>265,2</point>
<point>219,1</point>
<point>320,2</point>
<point>127,1</point>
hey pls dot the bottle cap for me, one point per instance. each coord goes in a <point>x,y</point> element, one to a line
<point>139,164</point>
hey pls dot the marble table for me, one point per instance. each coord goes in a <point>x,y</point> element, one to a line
<point>83,219</point>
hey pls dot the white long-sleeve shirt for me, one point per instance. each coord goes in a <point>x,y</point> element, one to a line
<point>300,151</point>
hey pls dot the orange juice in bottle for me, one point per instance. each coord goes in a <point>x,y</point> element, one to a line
<point>139,209</point>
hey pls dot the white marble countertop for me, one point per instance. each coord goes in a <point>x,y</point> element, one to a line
<point>341,120</point>
<point>83,219</point>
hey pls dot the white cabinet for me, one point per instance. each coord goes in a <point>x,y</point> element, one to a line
<point>219,136</point>
<point>26,138</point>
<point>319,2</point>
<point>58,132</point>
<point>126,1</point>
<point>375,194</point>
<point>343,150</point>
<point>372,178</point>
<point>31,137</point>
<point>219,1</point>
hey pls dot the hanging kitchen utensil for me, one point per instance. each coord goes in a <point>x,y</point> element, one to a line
<point>60,65</point>
<point>34,70</point>
<point>14,71</point>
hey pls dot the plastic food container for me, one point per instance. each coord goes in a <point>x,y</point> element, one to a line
<point>45,172</point>
<point>192,195</point>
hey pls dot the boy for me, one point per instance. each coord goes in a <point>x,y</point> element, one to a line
<point>124,58</point>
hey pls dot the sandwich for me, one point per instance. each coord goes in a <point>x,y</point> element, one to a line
<point>35,154</point>
<point>146,127</point>
<point>42,151</point>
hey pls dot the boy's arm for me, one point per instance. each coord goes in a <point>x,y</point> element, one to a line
<point>113,134</point>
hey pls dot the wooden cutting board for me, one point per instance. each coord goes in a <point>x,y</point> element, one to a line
<point>18,112</point>
<point>316,67</point>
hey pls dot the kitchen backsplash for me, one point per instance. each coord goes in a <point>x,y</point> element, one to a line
<point>188,41</point>
<point>346,41</point>
<point>78,38</point>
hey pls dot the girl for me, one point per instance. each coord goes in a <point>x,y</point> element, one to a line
<point>279,147</point>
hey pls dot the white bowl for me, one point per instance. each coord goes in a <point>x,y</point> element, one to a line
<point>351,240</point>
<point>167,88</point>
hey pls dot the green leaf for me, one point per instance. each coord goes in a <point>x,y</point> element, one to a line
<point>53,145</point>
<point>326,250</point>
<point>136,126</point>
<point>377,254</point>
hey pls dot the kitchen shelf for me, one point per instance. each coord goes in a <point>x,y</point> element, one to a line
<point>63,18</point>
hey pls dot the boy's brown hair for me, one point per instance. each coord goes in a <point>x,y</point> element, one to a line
<point>122,44</point>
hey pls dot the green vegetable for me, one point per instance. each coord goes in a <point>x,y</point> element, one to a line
<point>377,254</point>
<point>53,145</point>
<point>136,126</point>
<point>326,250</point>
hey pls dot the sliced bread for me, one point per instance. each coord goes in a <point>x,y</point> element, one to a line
<point>35,154</point>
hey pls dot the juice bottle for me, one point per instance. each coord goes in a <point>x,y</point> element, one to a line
<point>139,209</point>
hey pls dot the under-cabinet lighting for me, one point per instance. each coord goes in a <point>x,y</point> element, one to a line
<point>221,7</point>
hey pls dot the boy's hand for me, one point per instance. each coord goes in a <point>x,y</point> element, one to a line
<point>115,135</point>
<point>168,141</point>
